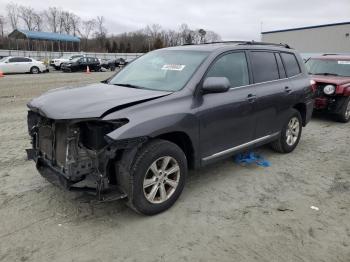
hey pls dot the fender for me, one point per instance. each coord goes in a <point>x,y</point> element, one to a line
<point>153,127</point>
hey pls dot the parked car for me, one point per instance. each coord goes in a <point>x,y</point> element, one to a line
<point>331,74</point>
<point>116,63</point>
<point>57,62</point>
<point>13,64</point>
<point>81,64</point>
<point>136,134</point>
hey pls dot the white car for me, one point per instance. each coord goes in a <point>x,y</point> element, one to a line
<point>57,62</point>
<point>17,64</point>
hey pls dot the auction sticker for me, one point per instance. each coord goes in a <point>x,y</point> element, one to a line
<point>344,62</point>
<point>173,67</point>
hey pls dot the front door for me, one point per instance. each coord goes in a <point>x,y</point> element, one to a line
<point>227,119</point>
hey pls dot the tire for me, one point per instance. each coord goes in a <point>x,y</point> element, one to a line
<point>145,182</point>
<point>112,67</point>
<point>34,70</point>
<point>290,134</point>
<point>344,113</point>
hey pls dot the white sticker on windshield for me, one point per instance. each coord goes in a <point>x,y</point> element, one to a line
<point>344,62</point>
<point>173,67</point>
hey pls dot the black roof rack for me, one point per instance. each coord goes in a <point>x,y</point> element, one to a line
<point>244,43</point>
<point>329,54</point>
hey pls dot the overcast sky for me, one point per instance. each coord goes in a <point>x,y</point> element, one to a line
<point>233,20</point>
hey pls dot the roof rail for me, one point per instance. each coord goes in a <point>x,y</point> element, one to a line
<point>245,43</point>
<point>329,54</point>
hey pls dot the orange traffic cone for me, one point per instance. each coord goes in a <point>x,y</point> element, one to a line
<point>87,70</point>
<point>1,74</point>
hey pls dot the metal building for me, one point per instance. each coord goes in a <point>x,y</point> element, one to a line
<point>329,38</point>
<point>42,41</point>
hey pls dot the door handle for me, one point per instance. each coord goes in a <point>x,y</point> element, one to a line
<point>287,89</point>
<point>251,98</point>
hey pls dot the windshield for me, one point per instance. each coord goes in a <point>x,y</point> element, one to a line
<point>161,70</point>
<point>3,59</point>
<point>328,67</point>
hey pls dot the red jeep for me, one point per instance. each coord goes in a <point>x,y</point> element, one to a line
<point>331,75</point>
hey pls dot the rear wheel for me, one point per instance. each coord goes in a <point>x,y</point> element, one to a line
<point>158,177</point>
<point>34,70</point>
<point>290,134</point>
<point>344,114</point>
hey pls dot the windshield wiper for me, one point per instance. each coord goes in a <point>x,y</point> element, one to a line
<point>325,74</point>
<point>130,85</point>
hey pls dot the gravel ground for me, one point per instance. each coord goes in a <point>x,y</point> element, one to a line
<point>227,212</point>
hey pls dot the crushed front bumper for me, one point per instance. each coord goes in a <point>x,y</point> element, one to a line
<point>93,184</point>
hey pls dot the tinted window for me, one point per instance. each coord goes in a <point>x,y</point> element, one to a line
<point>234,67</point>
<point>291,64</point>
<point>14,60</point>
<point>264,66</point>
<point>280,66</point>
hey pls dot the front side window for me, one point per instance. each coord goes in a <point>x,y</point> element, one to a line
<point>264,66</point>
<point>14,60</point>
<point>233,66</point>
<point>23,60</point>
<point>165,70</point>
<point>291,64</point>
<point>328,67</point>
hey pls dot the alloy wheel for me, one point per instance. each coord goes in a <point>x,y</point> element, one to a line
<point>293,130</point>
<point>347,111</point>
<point>161,180</point>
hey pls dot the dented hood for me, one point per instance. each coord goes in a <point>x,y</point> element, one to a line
<point>90,101</point>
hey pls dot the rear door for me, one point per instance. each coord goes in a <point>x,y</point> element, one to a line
<point>273,90</point>
<point>227,119</point>
<point>24,64</point>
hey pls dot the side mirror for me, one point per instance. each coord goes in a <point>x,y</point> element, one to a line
<point>216,85</point>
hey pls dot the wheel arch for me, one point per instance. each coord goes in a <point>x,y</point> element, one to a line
<point>182,140</point>
<point>302,109</point>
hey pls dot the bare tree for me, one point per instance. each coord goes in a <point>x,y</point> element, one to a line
<point>13,15</point>
<point>75,22</point>
<point>38,21</point>
<point>52,16</point>
<point>2,25</point>
<point>27,14</point>
<point>65,22</point>
<point>86,28</point>
<point>101,29</point>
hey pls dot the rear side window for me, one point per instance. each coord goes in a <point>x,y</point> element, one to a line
<point>234,67</point>
<point>264,66</point>
<point>291,64</point>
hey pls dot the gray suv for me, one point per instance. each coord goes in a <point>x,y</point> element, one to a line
<point>135,135</point>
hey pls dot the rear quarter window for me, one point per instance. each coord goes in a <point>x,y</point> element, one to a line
<point>264,66</point>
<point>291,64</point>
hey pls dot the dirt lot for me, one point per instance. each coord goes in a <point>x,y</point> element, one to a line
<point>226,212</point>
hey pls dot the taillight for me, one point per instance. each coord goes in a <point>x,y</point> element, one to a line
<point>313,85</point>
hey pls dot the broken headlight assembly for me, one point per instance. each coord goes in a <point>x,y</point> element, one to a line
<point>92,133</point>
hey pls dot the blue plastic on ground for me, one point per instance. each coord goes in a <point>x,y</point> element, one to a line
<point>250,158</point>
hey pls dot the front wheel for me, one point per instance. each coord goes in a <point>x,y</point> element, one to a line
<point>290,134</point>
<point>158,177</point>
<point>344,114</point>
<point>34,70</point>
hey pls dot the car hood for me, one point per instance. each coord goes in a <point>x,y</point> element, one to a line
<point>336,80</point>
<point>90,101</point>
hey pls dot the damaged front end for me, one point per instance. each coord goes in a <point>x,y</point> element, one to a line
<point>77,155</point>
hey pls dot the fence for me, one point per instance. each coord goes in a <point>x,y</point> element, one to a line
<point>46,55</point>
